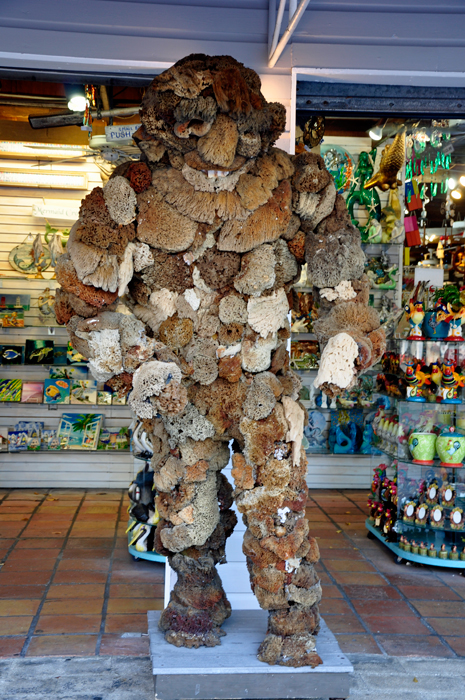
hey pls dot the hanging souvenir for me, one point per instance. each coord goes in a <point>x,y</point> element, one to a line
<point>412,234</point>
<point>412,196</point>
<point>359,195</point>
<point>31,256</point>
<point>340,164</point>
<point>392,160</point>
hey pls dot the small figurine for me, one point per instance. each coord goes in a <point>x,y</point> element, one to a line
<point>437,517</point>
<point>453,554</point>
<point>432,550</point>
<point>423,549</point>
<point>379,515</point>
<point>447,494</point>
<point>462,554</point>
<point>455,319</point>
<point>421,514</point>
<point>415,379</point>
<point>409,512</point>
<point>443,552</point>
<point>456,518</point>
<point>414,547</point>
<point>415,315</point>
<point>450,381</point>
<point>407,545</point>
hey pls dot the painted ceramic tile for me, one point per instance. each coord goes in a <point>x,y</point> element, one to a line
<point>39,352</point>
<point>32,392</point>
<point>79,431</point>
<point>10,389</point>
<point>83,391</point>
<point>11,354</point>
<point>56,391</point>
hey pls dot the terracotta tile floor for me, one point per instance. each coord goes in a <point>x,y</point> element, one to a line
<point>68,586</point>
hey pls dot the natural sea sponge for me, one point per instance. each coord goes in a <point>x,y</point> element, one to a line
<point>176,332</point>
<point>311,174</point>
<point>139,176</point>
<point>256,354</point>
<point>335,258</point>
<point>120,199</point>
<point>286,267</point>
<point>148,381</point>
<point>297,620</point>
<point>189,424</point>
<point>160,225</point>
<point>232,309</point>
<point>345,317</point>
<point>324,207</point>
<point>257,271</point>
<point>261,437</point>
<point>230,333</point>
<point>252,191</point>
<point>168,272</point>
<point>68,279</point>
<point>292,228</point>
<point>297,246</point>
<point>218,269</point>
<point>242,473</point>
<point>338,219</point>
<point>219,144</point>
<point>265,224</point>
<point>205,369</point>
<point>221,402</point>
<point>97,228</point>
<point>260,401</point>
<point>230,368</point>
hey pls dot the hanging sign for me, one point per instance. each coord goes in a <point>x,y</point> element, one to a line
<point>44,211</point>
<point>120,132</point>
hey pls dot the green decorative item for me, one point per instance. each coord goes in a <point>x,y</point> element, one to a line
<point>450,447</point>
<point>422,447</point>
<point>358,195</point>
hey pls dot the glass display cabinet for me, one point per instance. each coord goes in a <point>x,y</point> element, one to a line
<point>418,511</point>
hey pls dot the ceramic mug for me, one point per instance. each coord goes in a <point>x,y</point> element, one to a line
<point>422,447</point>
<point>451,449</point>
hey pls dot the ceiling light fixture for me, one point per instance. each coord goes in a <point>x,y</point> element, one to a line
<point>456,194</point>
<point>462,180</point>
<point>376,132</point>
<point>451,183</point>
<point>77,103</point>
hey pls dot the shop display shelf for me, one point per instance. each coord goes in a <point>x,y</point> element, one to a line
<point>411,527</point>
<point>65,451</point>
<point>436,464</point>
<point>418,558</point>
<point>302,336</point>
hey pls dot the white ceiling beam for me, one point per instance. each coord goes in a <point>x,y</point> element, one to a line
<point>278,47</point>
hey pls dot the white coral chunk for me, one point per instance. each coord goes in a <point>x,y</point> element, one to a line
<point>344,292</point>
<point>120,199</point>
<point>192,299</point>
<point>126,269</point>
<point>163,302</point>
<point>142,256</point>
<point>228,351</point>
<point>295,417</point>
<point>337,361</point>
<point>199,282</point>
<point>149,380</point>
<point>106,359</point>
<point>267,314</point>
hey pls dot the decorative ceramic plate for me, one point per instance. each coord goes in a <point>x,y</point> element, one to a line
<point>340,164</point>
<point>21,259</point>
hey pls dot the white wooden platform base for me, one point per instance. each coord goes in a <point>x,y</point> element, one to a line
<point>232,671</point>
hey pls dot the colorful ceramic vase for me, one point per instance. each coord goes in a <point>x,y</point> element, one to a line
<point>432,328</point>
<point>422,447</point>
<point>450,446</point>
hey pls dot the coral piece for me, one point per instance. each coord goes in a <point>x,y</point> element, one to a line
<point>267,314</point>
<point>67,277</point>
<point>334,258</point>
<point>148,382</point>
<point>337,364</point>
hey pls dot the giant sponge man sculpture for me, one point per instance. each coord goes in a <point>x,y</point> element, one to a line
<point>202,240</point>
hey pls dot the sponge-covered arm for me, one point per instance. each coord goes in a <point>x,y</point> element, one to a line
<point>347,329</point>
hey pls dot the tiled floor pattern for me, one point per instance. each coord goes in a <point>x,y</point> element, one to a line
<point>372,604</point>
<point>68,586</point>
